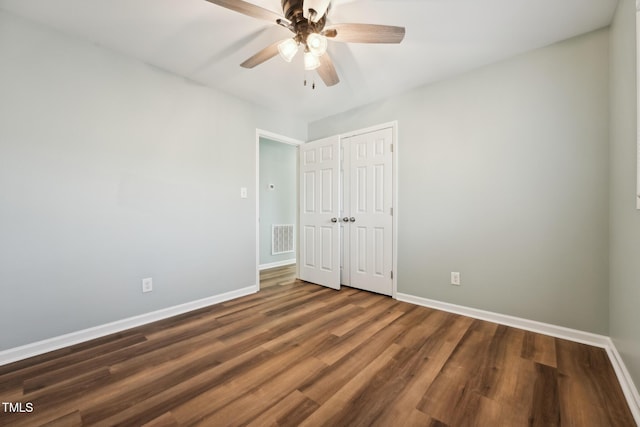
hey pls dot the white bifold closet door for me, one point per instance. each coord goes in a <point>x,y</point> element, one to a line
<point>346,199</point>
<point>319,250</point>
<point>367,217</point>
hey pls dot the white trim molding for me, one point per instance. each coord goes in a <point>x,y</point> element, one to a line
<point>34,349</point>
<point>276,264</point>
<point>516,322</point>
<point>626,382</point>
<point>624,377</point>
<point>261,133</point>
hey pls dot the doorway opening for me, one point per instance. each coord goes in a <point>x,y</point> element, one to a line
<point>277,201</point>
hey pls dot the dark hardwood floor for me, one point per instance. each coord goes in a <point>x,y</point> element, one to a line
<point>297,354</point>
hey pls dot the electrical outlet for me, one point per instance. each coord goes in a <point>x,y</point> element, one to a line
<point>147,284</point>
<point>455,278</point>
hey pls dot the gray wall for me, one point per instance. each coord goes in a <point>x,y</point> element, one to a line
<point>503,176</point>
<point>625,219</point>
<point>279,205</point>
<point>111,171</point>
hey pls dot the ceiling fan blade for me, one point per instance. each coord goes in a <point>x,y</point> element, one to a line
<point>330,32</point>
<point>327,71</point>
<point>262,56</point>
<point>248,9</point>
<point>365,33</point>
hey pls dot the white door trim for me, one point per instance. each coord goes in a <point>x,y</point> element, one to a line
<point>260,133</point>
<point>394,126</point>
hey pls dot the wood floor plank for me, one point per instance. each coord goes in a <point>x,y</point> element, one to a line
<point>207,403</point>
<point>187,391</point>
<point>424,326</point>
<point>70,420</point>
<point>422,369</point>
<point>327,414</point>
<point>42,359</point>
<point>242,410</point>
<point>420,419</point>
<point>347,343</point>
<point>332,316</point>
<point>540,349</point>
<point>545,408</point>
<point>112,397</point>
<point>315,314</point>
<point>289,411</point>
<point>300,354</point>
<point>360,317</point>
<point>28,373</point>
<point>505,378</point>
<point>381,389</point>
<point>321,387</point>
<point>165,420</point>
<point>455,394</point>
<point>586,375</point>
<point>70,389</point>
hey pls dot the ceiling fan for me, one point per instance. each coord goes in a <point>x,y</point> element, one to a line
<point>307,19</point>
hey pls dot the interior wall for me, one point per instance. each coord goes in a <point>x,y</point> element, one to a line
<point>112,171</point>
<point>625,218</point>
<point>503,177</point>
<point>278,204</point>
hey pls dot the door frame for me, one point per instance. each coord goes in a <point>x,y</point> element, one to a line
<point>394,221</point>
<point>260,133</point>
<point>292,141</point>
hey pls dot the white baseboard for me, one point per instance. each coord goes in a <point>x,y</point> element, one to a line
<point>29,350</point>
<point>602,341</point>
<point>626,382</point>
<point>276,264</point>
<point>517,322</point>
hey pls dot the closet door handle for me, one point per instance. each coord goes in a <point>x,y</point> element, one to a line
<point>345,219</point>
<point>352,219</point>
<point>334,219</point>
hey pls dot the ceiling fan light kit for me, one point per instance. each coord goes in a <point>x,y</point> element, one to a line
<point>317,44</point>
<point>311,61</point>
<point>288,49</point>
<point>307,20</point>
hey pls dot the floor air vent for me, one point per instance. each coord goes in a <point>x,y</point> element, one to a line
<point>282,240</point>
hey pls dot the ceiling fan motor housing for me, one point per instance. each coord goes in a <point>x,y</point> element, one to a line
<point>294,12</point>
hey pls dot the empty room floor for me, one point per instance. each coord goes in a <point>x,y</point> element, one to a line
<point>297,354</point>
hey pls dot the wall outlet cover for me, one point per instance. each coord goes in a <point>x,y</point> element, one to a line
<point>455,278</point>
<point>147,284</point>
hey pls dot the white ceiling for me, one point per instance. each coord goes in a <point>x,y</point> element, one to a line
<point>205,42</point>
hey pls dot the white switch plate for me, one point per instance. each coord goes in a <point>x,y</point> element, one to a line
<point>243,192</point>
<point>455,278</point>
<point>147,284</point>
